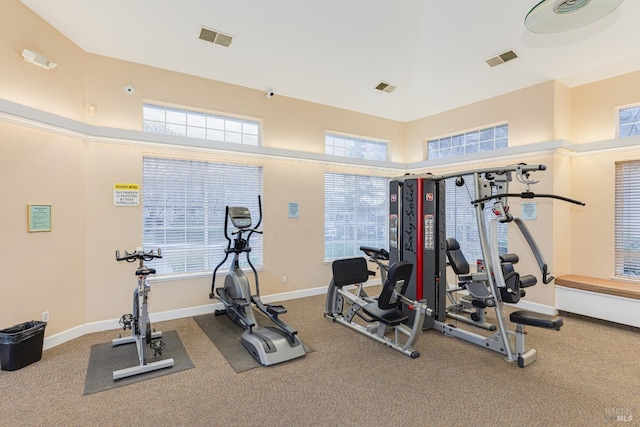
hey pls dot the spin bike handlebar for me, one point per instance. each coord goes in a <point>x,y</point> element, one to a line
<point>138,255</point>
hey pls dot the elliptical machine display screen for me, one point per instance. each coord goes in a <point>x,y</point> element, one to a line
<point>240,216</point>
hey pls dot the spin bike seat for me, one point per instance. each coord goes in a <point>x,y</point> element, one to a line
<point>145,271</point>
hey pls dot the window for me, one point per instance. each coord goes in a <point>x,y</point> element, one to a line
<point>627,219</point>
<point>629,122</point>
<point>359,148</point>
<point>184,211</point>
<point>461,219</point>
<point>489,139</point>
<point>173,121</point>
<point>355,214</point>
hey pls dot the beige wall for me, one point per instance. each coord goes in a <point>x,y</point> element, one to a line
<point>45,270</point>
<point>594,106</point>
<point>71,272</point>
<point>529,112</point>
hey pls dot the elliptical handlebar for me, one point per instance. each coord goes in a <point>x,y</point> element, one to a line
<point>242,245</point>
<point>255,229</point>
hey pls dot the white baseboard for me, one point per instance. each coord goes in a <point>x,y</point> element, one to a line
<point>600,306</point>
<point>106,325</point>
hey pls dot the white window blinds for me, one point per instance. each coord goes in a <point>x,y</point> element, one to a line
<point>184,211</point>
<point>461,219</point>
<point>355,214</point>
<point>627,219</point>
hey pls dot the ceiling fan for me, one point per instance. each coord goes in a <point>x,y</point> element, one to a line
<point>555,16</point>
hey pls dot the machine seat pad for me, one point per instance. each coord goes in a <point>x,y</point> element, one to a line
<point>478,290</point>
<point>390,317</point>
<point>350,271</point>
<point>538,320</point>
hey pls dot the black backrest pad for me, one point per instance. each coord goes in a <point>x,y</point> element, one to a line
<point>350,271</point>
<point>456,258</point>
<point>397,277</point>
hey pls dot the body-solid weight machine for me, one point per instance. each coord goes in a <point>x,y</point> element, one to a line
<point>417,234</point>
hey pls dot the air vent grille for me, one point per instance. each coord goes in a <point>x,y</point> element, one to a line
<point>501,58</point>
<point>386,87</point>
<point>216,37</point>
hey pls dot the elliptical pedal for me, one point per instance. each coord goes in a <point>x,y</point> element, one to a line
<point>275,310</point>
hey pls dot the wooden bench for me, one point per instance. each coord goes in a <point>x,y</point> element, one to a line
<point>606,299</point>
<point>603,286</point>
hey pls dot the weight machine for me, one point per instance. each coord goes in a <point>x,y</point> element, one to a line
<point>417,234</point>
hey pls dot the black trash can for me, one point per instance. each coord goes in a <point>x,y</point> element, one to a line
<point>21,345</point>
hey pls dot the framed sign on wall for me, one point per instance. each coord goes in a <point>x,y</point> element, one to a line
<point>38,218</point>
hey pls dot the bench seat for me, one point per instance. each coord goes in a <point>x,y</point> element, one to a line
<point>602,286</point>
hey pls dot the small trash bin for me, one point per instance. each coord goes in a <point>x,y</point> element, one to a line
<point>21,345</point>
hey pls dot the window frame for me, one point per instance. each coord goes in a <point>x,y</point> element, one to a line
<point>463,136</point>
<point>626,219</point>
<point>356,139</point>
<point>227,119</point>
<point>344,240</point>
<point>619,111</point>
<point>182,235</point>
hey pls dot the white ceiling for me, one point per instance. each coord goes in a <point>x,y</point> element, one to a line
<point>335,52</point>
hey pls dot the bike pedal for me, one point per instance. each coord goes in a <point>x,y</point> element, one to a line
<point>125,321</point>
<point>157,346</point>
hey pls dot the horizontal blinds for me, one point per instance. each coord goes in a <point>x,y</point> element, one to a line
<point>627,219</point>
<point>184,211</point>
<point>355,214</point>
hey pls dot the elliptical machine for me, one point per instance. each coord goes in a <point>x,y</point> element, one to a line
<point>139,322</point>
<point>269,344</point>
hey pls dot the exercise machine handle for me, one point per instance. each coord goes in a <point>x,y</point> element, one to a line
<point>526,195</point>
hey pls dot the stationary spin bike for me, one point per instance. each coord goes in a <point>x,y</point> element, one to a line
<point>268,344</point>
<point>138,321</point>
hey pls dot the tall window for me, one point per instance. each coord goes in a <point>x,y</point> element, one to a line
<point>355,214</point>
<point>629,122</point>
<point>488,139</point>
<point>627,219</point>
<point>173,121</point>
<point>359,148</point>
<point>461,219</point>
<point>184,211</point>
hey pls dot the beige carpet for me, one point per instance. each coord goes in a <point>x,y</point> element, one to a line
<point>585,374</point>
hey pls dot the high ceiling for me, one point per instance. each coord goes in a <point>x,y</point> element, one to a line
<point>334,52</point>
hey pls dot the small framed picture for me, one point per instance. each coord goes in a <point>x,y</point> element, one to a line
<point>294,210</point>
<point>38,218</point>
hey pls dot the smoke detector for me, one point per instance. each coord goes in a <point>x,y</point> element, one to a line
<point>555,16</point>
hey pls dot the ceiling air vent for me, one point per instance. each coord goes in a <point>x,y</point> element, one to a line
<point>386,87</point>
<point>501,58</point>
<point>216,37</point>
